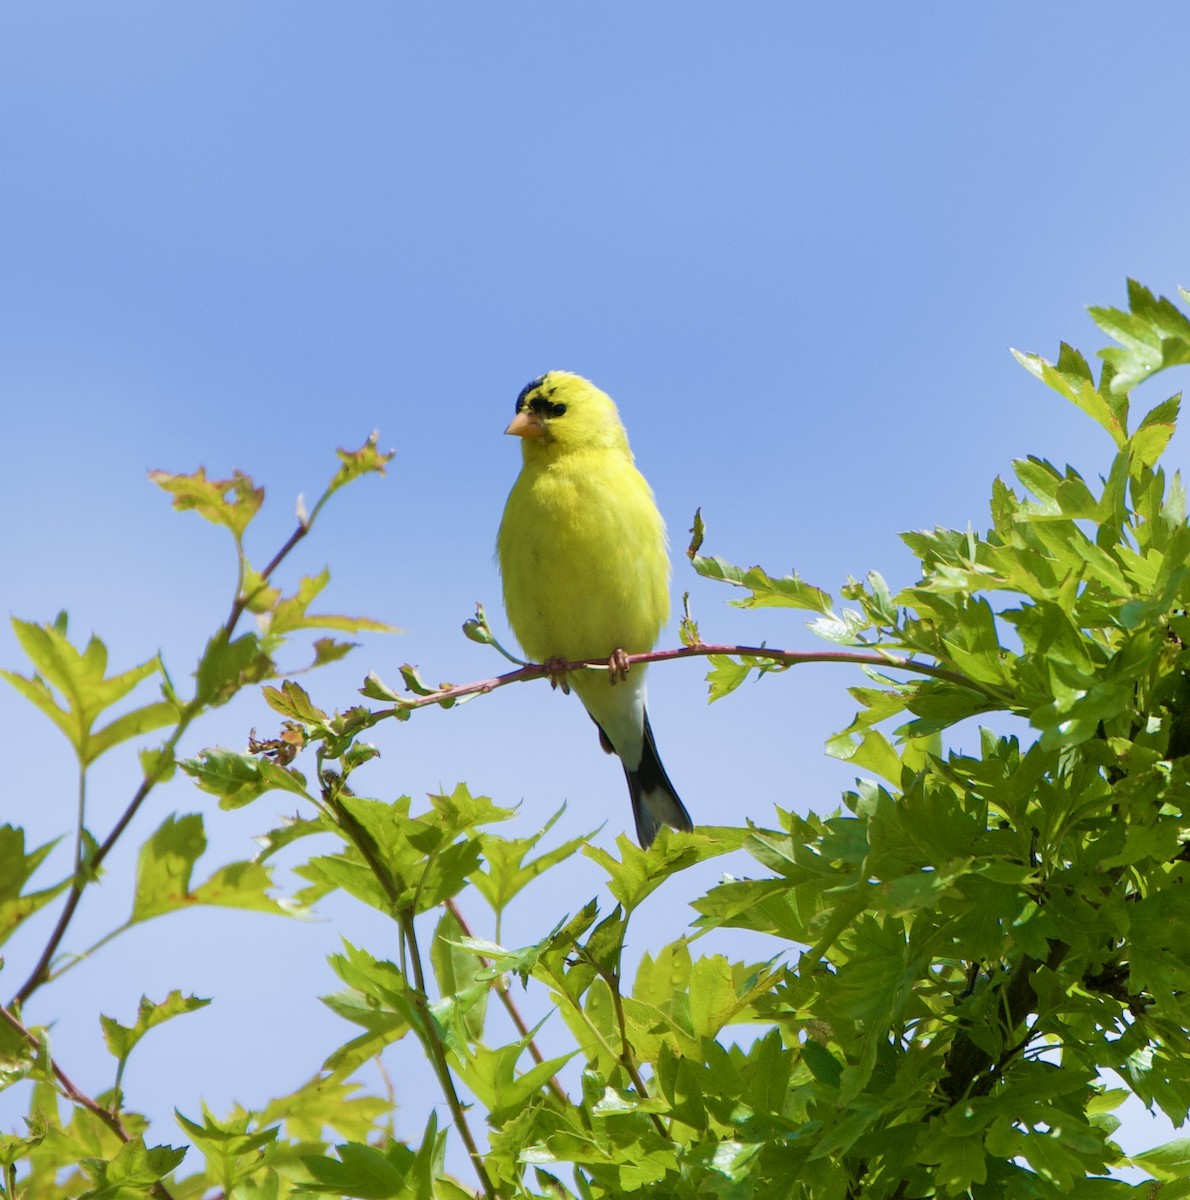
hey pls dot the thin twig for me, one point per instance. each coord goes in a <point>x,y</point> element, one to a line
<point>509,1005</point>
<point>431,1039</point>
<point>73,1092</point>
<point>241,600</point>
<point>612,979</point>
<point>789,658</point>
<point>403,914</point>
<point>41,972</point>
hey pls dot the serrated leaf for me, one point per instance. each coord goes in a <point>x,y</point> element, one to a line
<point>16,868</point>
<point>505,872</point>
<point>726,674</point>
<point>165,864</point>
<point>1154,335</point>
<point>1110,410</point>
<point>227,666</point>
<point>871,751</point>
<point>80,677</point>
<point>456,969</point>
<point>134,1169</point>
<point>786,591</point>
<point>364,461</point>
<point>229,502</point>
<point>290,614</point>
<point>238,779</point>
<point>1152,436</point>
<point>292,700</point>
<point>120,1039</point>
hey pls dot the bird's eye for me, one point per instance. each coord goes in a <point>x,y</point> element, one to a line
<point>542,406</point>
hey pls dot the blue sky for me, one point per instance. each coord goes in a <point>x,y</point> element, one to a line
<point>794,243</point>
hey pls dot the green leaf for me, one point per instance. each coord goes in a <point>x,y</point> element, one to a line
<point>327,650</point>
<point>238,779</point>
<point>1152,436</point>
<point>726,674</point>
<point>638,873</point>
<point>505,873</point>
<point>356,463</point>
<point>256,593</point>
<point>788,591</point>
<point>869,750</point>
<point>456,970</point>
<point>166,863</point>
<point>229,502</point>
<point>80,678</point>
<point>323,1103</point>
<point>224,1144</point>
<point>134,1169</point>
<point>120,1039</point>
<point>360,1170</point>
<point>227,666</point>
<point>16,869</point>
<point>1071,378</point>
<point>132,725</point>
<point>713,1001</point>
<point>1152,336</point>
<point>18,1056</point>
<point>292,700</point>
<point>1168,1161</point>
<point>289,615</point>
<point>244,885</point>
<point>378,998</point>
<point>492,1076</point>
<point>164,866</point>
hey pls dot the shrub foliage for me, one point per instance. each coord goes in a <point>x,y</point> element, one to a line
<point>974,960</point>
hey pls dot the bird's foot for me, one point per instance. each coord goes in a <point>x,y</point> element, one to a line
<point>555,669</point>
<point>617,666</point>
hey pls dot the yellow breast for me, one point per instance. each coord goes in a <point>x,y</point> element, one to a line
<point>583,557</point>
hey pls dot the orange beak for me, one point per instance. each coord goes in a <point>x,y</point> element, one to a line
<point>525,424</point>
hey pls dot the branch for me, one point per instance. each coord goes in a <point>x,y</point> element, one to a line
<point>73,1093</point>
<point>627,1060</point>
<point>433,1042</point>
<point>514,1013</point>
<point>787,658</point>
<point>969,1069</point>
<point>41,972</point>
<point>428,1034</point>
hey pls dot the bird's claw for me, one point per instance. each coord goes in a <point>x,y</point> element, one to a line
<point>555,669</point>
<point>617,666</point>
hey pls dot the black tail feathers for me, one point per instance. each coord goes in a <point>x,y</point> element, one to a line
<point>654,799</point>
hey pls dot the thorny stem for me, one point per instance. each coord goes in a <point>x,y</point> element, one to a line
<point>510,1007</point>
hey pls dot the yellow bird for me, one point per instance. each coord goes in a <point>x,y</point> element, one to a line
<point>585,566</point>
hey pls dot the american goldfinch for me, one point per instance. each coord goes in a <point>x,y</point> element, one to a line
<point>585,568</point>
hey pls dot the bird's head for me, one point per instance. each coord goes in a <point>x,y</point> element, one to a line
<point>561,412</point>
